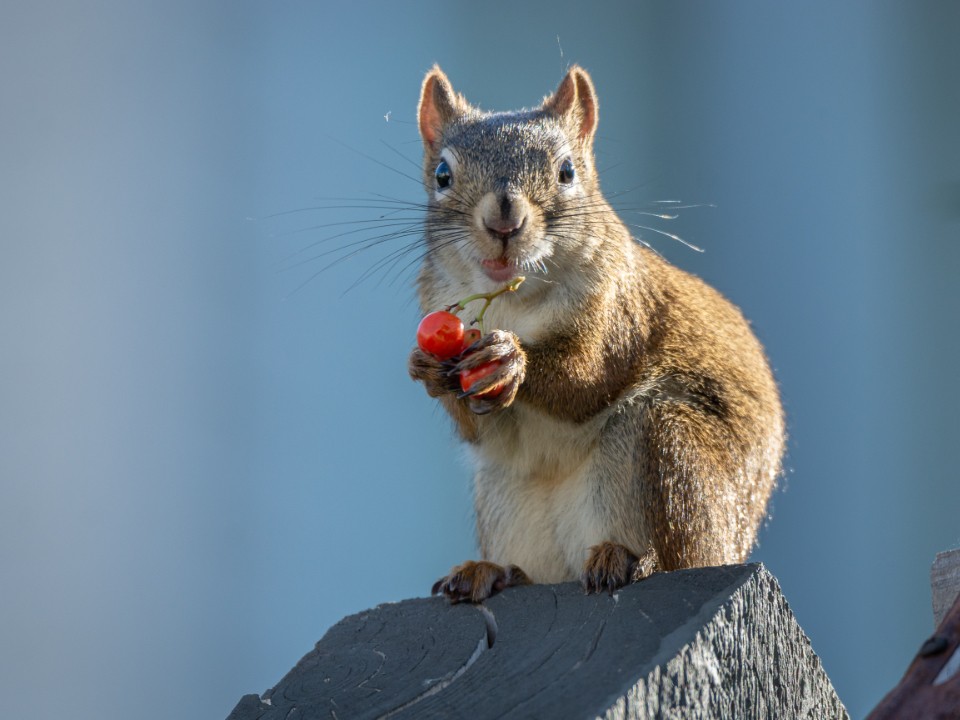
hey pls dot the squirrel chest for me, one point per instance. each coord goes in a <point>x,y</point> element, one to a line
<point>542,488</point>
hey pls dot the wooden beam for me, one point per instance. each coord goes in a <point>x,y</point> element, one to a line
<point>712,642</point>
<point>930,689</point>
<point>944,583</point>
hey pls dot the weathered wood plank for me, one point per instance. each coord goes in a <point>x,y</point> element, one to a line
<point>944,583</point>
<point>711,642</point>
<point>930,689</point>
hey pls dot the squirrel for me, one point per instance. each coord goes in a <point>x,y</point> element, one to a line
<point>635,426</point>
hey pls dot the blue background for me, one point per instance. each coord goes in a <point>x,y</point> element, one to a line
<point>208,455</point>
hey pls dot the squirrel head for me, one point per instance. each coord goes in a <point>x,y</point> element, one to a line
<point>514,192</point>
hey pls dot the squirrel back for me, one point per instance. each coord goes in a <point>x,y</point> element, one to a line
<point>637,425</point>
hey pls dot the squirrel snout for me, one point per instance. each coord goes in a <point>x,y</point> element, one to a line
<point>503,230</point>
<point>503,215</point>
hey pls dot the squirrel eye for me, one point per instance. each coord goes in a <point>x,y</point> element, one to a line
<point>567,173</point>
<point>443,175</point>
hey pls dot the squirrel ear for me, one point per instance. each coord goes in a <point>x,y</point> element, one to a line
<point>439,104</point>
<point>575,102</point>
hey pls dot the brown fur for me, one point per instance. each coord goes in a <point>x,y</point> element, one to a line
<point>661,373</point>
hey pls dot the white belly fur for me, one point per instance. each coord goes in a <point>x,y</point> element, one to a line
<point>535,483</point>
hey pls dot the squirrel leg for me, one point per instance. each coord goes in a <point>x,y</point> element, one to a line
<point>694,490</point>
<point>441,381</point>
<point>475,581</point>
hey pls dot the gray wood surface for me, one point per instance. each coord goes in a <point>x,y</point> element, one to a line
<point>712,642</point>
<point>945,583</point>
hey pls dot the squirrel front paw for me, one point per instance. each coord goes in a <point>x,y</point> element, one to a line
<point>498,388</point>
<point>437,376</point>
<point>475,581</point>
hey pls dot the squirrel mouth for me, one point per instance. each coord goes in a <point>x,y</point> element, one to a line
<point>499,269</point>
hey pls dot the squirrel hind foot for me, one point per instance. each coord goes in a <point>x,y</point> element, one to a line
<point>475,581</point>
<point>610,566</point>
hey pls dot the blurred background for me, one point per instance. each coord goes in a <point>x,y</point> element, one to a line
<point>210,451</point>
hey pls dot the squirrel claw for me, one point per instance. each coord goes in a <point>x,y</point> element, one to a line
<point>483,405</point>
<point>609,567</point>
<point>497,345</point>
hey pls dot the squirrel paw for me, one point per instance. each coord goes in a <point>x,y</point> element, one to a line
<point>475,581</point>
<point>610,566</point>
<point>498,389</point>
<point>437,376</point>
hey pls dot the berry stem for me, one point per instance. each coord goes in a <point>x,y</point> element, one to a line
<point>487,299</point>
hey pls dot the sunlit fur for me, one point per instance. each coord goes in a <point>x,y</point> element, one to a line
<point>643,413</point>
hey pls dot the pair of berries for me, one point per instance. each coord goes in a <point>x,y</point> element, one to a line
<point>442,335</point>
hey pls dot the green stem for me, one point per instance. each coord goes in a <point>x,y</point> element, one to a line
<point>487,298</point>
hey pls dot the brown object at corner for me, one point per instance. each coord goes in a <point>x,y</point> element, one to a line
<point>930,689</point>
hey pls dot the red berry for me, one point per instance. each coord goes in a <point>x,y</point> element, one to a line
<point>440,334</point>
<point>470,337</point>
<point>468,378</point>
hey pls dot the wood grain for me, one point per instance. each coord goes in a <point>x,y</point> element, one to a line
<point>711,642</point>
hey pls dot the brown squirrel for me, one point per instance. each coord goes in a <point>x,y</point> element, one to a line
<point>638,427</point>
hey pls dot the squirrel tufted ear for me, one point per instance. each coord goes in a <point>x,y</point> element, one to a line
<point>575,102</point>
<point>439,104</point>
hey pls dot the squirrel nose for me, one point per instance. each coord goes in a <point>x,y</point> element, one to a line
<point>503,230</point>
<point>503,214</point>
